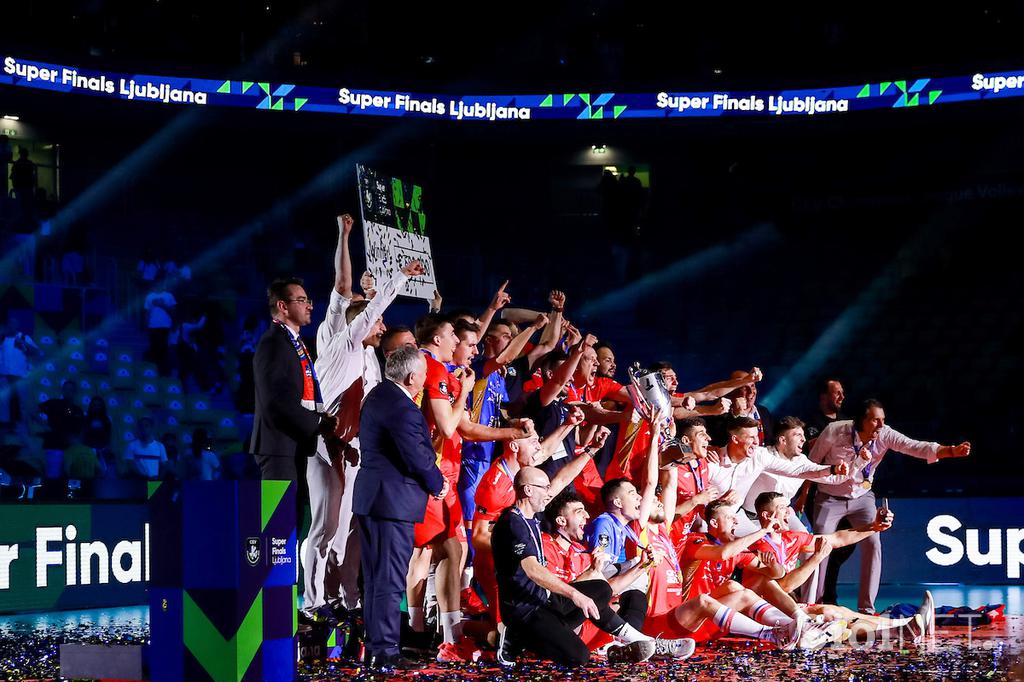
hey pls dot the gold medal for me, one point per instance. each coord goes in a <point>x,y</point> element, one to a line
<point>866,484</point>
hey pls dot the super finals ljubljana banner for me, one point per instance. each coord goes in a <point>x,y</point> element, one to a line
<point>595,105</point>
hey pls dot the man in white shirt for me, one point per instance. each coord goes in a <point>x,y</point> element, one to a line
<point>743,460</point>
<point>866,436</point>
<point>15,350</point>
<point>159,307</point>
<point>145,455</point>
<point>347,369</point>
<point>788,445</point>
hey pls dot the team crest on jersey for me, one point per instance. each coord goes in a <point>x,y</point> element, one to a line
<point>603,540</point>
<point>442,387</point>
<point>510,371</point>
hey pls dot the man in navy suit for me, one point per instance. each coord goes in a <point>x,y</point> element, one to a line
<point>399,469</point>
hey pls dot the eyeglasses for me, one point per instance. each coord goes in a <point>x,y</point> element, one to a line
<point>301,300</point>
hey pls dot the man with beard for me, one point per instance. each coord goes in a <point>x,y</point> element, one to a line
<point>496,493</point>
<point>868,437</point>
<point>540,611</point>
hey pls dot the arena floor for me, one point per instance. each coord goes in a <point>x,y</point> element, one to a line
<point>28,650</point>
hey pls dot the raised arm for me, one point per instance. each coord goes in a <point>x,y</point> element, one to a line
<point>515,346</point>
<point>719,389</point>
<point>553,440</point>
<point>570,471</point>
<point>500,300</point>
<point>343,257</point>
<point>550,390</point>
<point>728,550</point>
<point>647,497</point>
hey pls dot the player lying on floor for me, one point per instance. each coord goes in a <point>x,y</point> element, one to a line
<point>773,512</point>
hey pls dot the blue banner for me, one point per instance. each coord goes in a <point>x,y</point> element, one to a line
<point>73,556</point>
<point>349,100</point>
<point>975,541</point>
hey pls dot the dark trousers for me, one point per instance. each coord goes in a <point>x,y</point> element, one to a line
<point>549,631</point>
<point>386,551</point>
<point>158,351</point>
<point>633,607</point>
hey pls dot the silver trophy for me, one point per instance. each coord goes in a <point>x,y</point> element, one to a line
<point>649,394</point>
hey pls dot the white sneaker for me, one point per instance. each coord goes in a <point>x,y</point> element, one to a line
<point>679,649</point>
<point>813,636</point>
<point>913,631</point>
<point>506,655</point>
<point>785,636</point>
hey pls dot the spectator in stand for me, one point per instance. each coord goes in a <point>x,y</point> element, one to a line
<point>80,461</point>
<point>159,307</point>
<point>145,456</point>
<point>98,426</point>
<point>245,399</point>
<point>201,463</point>
<point>24,178</point>
<point>16,350</point>
<point>188,350</point>
<point>148,269</point>
<point>62,415</point>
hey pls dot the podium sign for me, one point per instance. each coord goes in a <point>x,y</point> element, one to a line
<point>222,588</point>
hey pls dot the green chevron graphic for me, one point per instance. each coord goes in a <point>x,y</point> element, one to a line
<point>212,651</point>
<point>618,110</point>
<point>271,493</point>
<point>299,102</point>
<point>546,102</point>
<point>865,91</point>
<point>226,88</point>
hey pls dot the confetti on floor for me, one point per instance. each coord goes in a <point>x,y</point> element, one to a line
<point>991,652</point>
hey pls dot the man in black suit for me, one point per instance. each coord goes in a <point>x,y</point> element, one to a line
<point>399,470</point>
<point>289,409</point>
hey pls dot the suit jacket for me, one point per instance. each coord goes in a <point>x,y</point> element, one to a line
<point>282,426</point>
<point>399,466</point>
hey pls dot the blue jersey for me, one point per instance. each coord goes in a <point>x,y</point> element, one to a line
<point>605,532</point>
<point>484,405</point>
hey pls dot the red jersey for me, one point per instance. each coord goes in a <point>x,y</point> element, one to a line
<point>690,480</point>
<point>666,588</point>
<point>788,550</point>
<point>599,390</point>
<point>495,492</point>
<point>566,563</point>
<point>702,576</point>
<point>442,385</point>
